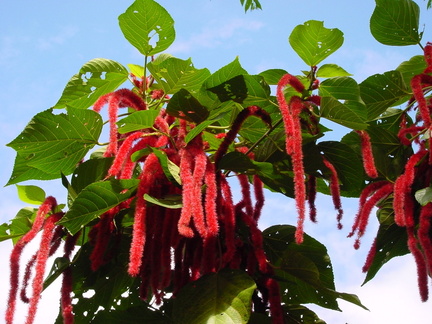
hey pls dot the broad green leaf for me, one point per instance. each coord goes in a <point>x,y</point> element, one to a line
<point>424,196</point>
<point>96,78</point>
<point>172,202</point>
<point>391,242</point>
<point>22,223</point>
<point>301,314</point>
<point>251,4</point>
<point>173,74</point>
<point>347,164</point>
<point>381,91</point>
<point>313,42</point>
<point>53,144</point>
<point>148,27</point>
<point>184,105</point>
<point>59,266</point>
<point>131,315</point>
<point>197,130</point>
<point>136,70</point>
<point>234,89</point>
<point>31,194</point>
<point>96,199</point>
<point>137,120</point>
<point>111,286</point>
<point>341,88</point>
<point>170,169</point>
<point>223,297</point>
<point>224,74</point>
<point>331,71</point>
<point>415,65</point>
<point>236,161</point>
<point>305,270</point>
<point>4,233</point>
<point>351,114</point>
<point>396,22</point>
<point>90,171</point>
<point>273,76</point>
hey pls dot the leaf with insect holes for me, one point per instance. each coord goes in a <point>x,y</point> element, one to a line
<point>313,42</point>
<point>148,27</point>
<point>96,78</point>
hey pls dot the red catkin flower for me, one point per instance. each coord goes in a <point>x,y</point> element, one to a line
<point>422,275</point>
<point>241,117</point>
<point>48,205</point>
<point>259,197</point>
<point>66,289</point>
<point>139,227</point>
<point>368,159</point>
<point>334,190</point>
<point>370,257</point>
<point>402,187</point>
<point>428,57</point>
<point>423,234</point>
<point>312,192</point>
<point>275,301</point>
<point>363,214</point>
<point>417,83</point>
<point>41,259</point>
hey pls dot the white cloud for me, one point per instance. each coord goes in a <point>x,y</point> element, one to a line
<point>216,33</point>
<point>59,38</point>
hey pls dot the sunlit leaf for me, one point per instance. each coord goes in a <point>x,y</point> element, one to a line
<point>225,297</point>
<point>96,199</point>
<point>137,120</point>
<point>53,144</point>
<point>341,88</point>
<point>396,22</point>
<point>31,194</point>
<point>148,27</point>
<point>96,78</point>
<point>424,196</point>
<point>313,42</point>
<point>183,104</point>
<point>381,91</point>
<point>173,74</point>
<point>415,65</point>
<point>351,114</point>
<point>331,71</point>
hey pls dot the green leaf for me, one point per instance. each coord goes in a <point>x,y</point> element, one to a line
<point>415,65</point>
<point>184,105</point>
<point>136,70</point>
<point>53,144</point>
<point>348,166</point>
<point>223,297</point>
<point>305,271</point>
<point>313,42</point>
<point>233,89</point>
<point>273,76</point>
<point>148,27</point>
<point>90,171</point>
<point>301,314</point>
<point>224,74</point>
<point>96,199</point>
<point>251,4</point>
<point>31,194</point>
<point>172,201</point>
<point>173,74</point>
<point>132,315</point>
<point>396,22</point>
<point>96,78</point>
<point>342,88</point>
<point>380,91</point>
<point>391,241</point>
<point>197,130</point>
<point>22,223</point>
<point>331,71</point>
<point>424,196</point>
<point>170,169</point>
<point>351,114</point>
<point>236,161</point>
<point>137,120</point>
<point>59,266</point>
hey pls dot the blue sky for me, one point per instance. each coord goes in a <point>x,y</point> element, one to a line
<point>43,44</point>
